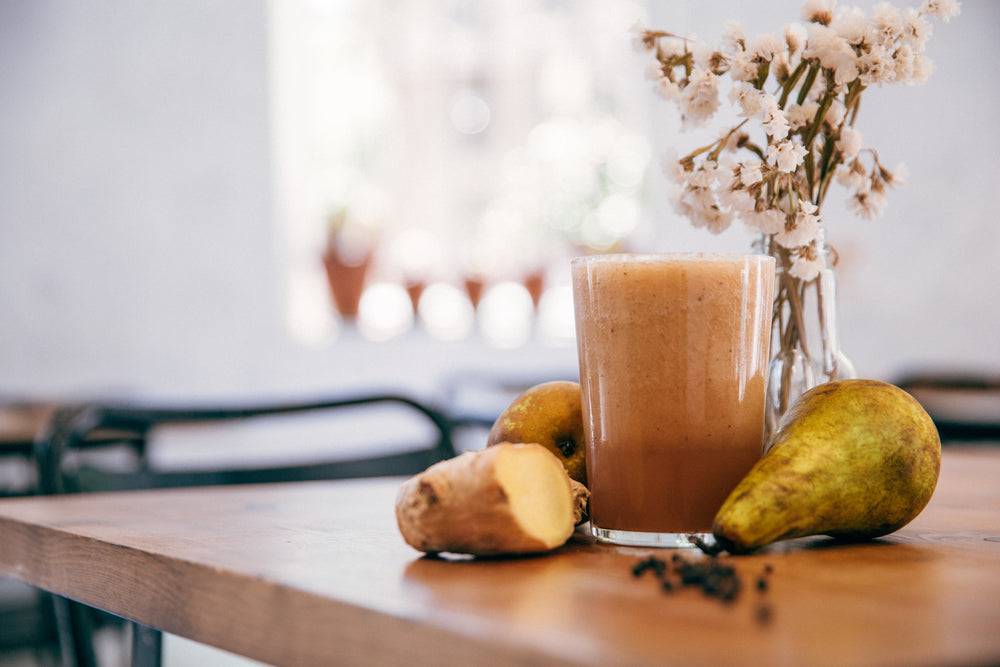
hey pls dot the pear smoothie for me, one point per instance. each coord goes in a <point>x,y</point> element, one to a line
<point>673,357</point>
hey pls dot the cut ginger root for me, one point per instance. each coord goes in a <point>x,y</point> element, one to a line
<point>505,499</point>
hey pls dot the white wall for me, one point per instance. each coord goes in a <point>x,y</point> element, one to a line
<point>139,249</point>
<point>135,216</point>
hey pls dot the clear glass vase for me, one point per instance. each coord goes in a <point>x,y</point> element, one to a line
<point>805,345</point>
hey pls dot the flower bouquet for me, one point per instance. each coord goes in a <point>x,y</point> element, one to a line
<point>796,97</point>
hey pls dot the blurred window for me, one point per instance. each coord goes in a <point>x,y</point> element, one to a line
<point>452,149</point>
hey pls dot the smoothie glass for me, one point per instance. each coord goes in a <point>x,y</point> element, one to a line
<point>673,360</point>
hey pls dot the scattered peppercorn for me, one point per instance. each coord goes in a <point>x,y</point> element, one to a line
<point>714,578</point>
<point>764,614</point>
<point>763,579</point>
<point>659,567</point>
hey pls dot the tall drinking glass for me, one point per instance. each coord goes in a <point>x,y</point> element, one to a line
<point>673,359</point>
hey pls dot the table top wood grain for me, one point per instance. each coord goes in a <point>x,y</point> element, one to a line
<point>316,573</point>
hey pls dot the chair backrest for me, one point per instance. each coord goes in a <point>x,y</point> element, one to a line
<point>964,407</point>
<point>91,426</point>
<point>476,398</point>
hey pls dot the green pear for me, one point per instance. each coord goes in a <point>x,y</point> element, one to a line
<point>852,459</point>
<point>550,414</point>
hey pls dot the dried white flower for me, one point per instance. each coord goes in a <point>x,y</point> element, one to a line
<point>806,267</point>
<point>903,62</point>
<point>733,36</point>
<point>740,202</point>
<point>714,220</point>
<point>940,9</point>
<point>849,144</point>
<point>700,206</point>
<point>835,114</point>
<point>654,70</point>
<point>700,98</point>
<point>749,99</point>
<point>765,47</point>
<point>877,66</point>
<point>916,30</point>
<point>922,69</point>
<point>851,24</point>
<point>704,176</point>
<point>795,37</point>
<point>639,40</point>
<point>775,122</point>
<point>818,11</point>
<point>667,89</point>
<point>673,167</point>
<point>899,175</point>
<point>769,221</point>
<point>802,231</point>
<point>801,115</point>
<point>742,67</point>
<point>868,205</point>
<point>697,199</point>
<point>702,54</point>
<point>672,49</point>
<point>887,21</point>
<point>728,167</point>
<point>806,207</point>
<point>786,156</point>
<point>854,177</point>
<point>751,173</point>
<point>833,53</point>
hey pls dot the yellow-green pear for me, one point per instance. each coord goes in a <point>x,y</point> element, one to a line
<point>853,459</point>
<point>550,414</point>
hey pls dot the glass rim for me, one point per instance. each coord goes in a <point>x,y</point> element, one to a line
<point>656,257</point>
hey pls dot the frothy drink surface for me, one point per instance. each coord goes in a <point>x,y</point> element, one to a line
<point>673,355</point>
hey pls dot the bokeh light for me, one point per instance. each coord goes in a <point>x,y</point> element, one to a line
<point>446,312</point>
<point>470,114</point>
<point>556,319</point>
<point>385,312</point>
<point>506,314</point>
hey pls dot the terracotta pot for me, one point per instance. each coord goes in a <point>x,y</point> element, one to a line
<point>347,282</point>
<point>474,288</point>
<point>415,288</point>
<point>534,282</point>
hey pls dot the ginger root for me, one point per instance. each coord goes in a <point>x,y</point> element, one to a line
<point>505,499</point>
<point>581,502</point>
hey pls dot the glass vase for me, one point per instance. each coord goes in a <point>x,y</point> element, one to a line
<point>805,343</point>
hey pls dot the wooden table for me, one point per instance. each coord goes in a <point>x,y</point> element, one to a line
<point>316,573</point>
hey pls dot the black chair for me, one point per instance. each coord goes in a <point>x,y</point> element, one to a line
<point>27,615</point>
<point>965,407</point>
<point>476,398</point>
<point>62,449</point>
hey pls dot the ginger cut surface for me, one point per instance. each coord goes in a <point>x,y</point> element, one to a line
<point>505,499</point>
